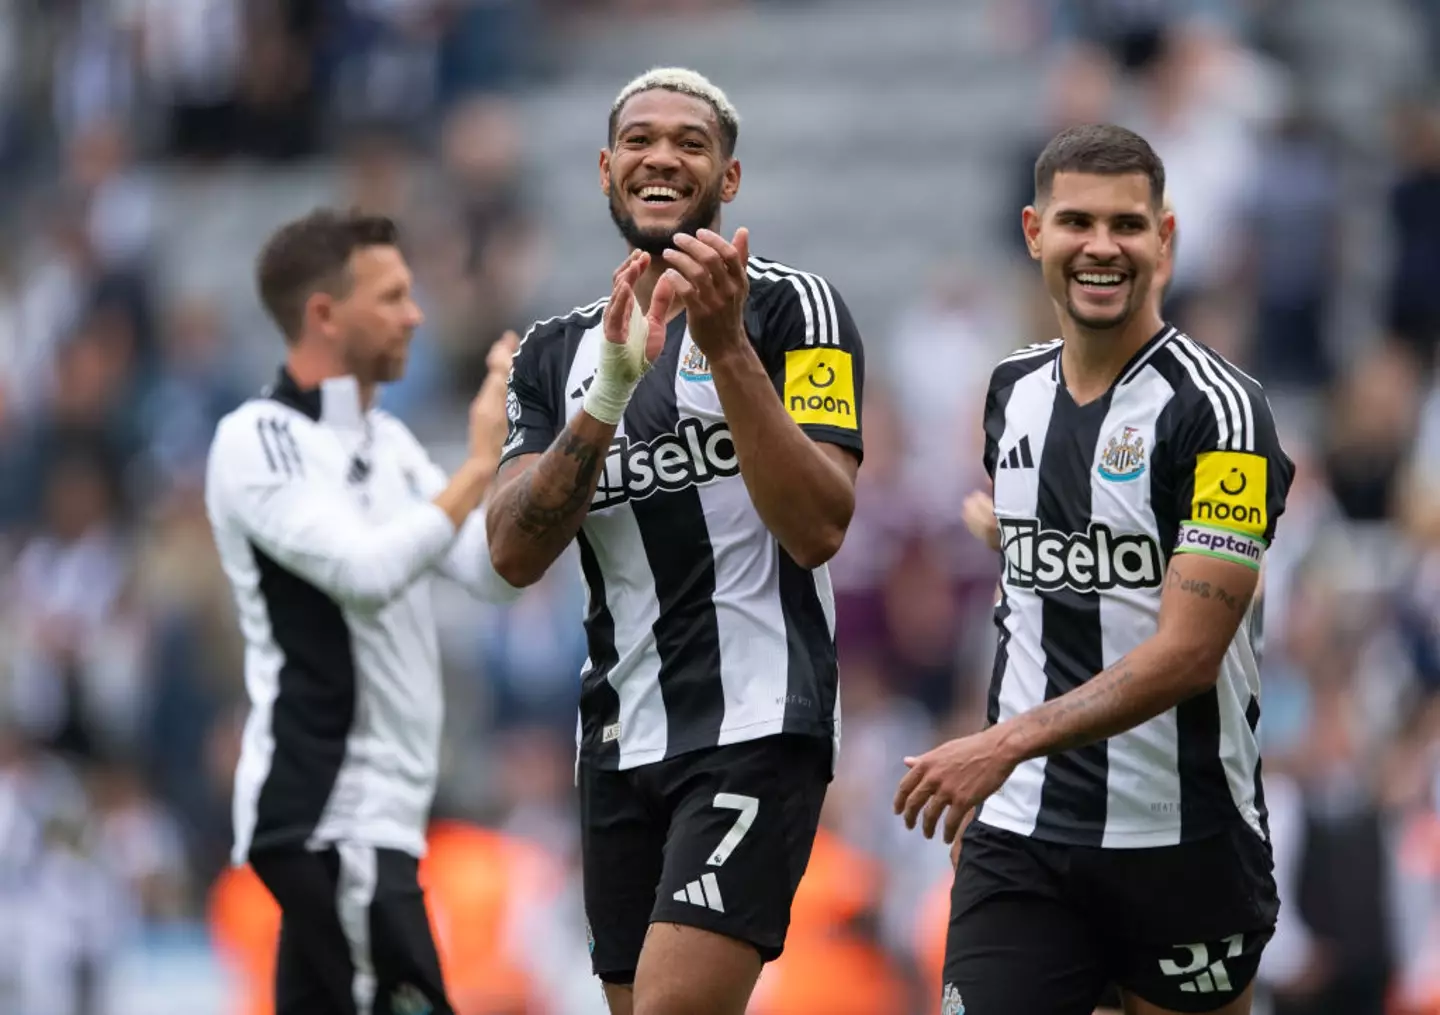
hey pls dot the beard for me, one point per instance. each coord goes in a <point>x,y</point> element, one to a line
<point>1117,318</point>
<point>383,366</point>
<point>656,241</point>
<point>1099,323</point>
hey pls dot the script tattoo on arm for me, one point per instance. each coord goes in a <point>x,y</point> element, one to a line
<point>550,495</point>
<point>1101,707</point>
<point>1181,660</point>
<point>1207,590</point>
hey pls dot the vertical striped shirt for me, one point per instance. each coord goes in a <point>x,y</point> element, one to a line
<point>702,630</point>
<point>1180,455</point>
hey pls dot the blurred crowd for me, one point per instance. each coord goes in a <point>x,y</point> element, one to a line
<point>120,676</point>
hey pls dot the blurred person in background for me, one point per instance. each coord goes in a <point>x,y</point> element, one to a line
<point>76,680</point>
<point>1413,299</point>
<point>1101,783</point>
<point>329,516</point>
<point>708,709</point>
<point>1292,225</point>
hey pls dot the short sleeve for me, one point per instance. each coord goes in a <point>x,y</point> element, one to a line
<point>534,419</point>
<point>994,423</point>
<point>1232,477</point>
<point>814,354</point>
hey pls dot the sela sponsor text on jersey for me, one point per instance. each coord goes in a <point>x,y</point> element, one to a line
<point>694,453</point>
<point>1094,560</point>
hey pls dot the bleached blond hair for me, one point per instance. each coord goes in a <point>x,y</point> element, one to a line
<point>682,81</point>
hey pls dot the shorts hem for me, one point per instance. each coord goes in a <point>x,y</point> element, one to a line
<point>716,923</point>
<point>1194,1004</point>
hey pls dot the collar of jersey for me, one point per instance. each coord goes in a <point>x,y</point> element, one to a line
<point>1132,366</point>
<point>336,402</point>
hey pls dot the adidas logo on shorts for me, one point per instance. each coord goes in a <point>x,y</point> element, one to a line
<point>704,891</point>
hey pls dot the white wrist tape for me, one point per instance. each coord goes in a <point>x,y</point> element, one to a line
<point>619,371</point>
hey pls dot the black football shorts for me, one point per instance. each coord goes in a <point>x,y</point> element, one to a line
<point>716,839</point>
<point>1043,928</point>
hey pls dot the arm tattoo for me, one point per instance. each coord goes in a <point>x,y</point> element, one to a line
<point>545,500</point>
<point>1206,590</point>
<point>1089,703</point>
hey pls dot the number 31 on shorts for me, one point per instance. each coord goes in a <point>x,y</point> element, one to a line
<point>1208,977</point>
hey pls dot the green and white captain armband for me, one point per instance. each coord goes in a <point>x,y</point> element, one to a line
<point>1228,512</point>
<point>619,371</point>
<point>1227,544</point>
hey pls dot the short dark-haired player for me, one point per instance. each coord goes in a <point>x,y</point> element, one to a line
<point>1119,832</point>
<point>329,518</point>
<point>698,434</point>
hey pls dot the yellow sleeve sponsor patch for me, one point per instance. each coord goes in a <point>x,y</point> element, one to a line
<point>1230,491</point>
<point>820,387</point>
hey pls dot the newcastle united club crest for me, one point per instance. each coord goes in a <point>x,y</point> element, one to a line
<point>1124,456</point>
<point>694,367</point>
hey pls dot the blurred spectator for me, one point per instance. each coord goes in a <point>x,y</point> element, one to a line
<point>1370,426</point>
<point>1343,871</point>
<point>1293,254</point>
<point>1413,298</point>
<point>140,843</point>
<point>191,56</point>
<point>73,659</point>
<point>117,203</point>
<point>70,915</point>
<point>386,61</point>
<point>90,409</point>
<point>193,390</point>
<point>481,152</point>
<point>280,88</point>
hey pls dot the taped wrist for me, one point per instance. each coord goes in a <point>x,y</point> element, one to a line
<point>619,371</point>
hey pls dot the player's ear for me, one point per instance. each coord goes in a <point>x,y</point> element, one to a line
<point>319,315</point>
<point>1030,225</point>
<point>605,171</point>
<point>1167,230</point>
<point>730,185</point>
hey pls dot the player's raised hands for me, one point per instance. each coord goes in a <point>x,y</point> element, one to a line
<point>626,324</point>
<point>708,274</point>
<point>488,420</point>
<point>978,512</point>
<point>633,339</point>
<point>956,776</point>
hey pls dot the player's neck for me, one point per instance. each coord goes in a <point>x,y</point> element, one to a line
<point>309,367</point>
<point>1092,360</point>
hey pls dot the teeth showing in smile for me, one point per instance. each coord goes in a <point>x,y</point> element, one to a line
<point>1099,277</point>
<point>660,194</point>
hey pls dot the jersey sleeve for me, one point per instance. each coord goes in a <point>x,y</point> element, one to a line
<point>815,356</point>
<point>529,401</point>
<point>994,424</point>
<point>260,481</point>
<point>1232,475</point>
<point>467,562</point>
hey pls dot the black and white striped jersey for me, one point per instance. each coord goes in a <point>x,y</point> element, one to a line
<point>1180,455</point>
<point>323,519</point>
<point>702,630</point>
